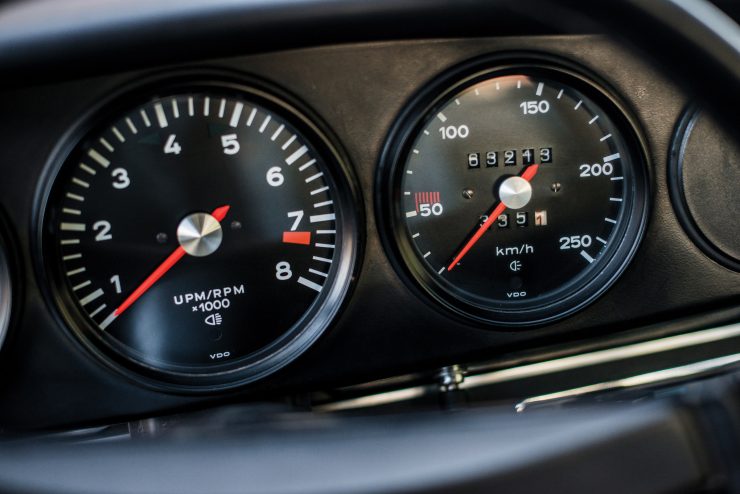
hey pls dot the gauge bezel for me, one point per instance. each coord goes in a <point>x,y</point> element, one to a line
<point>7,299</point>
<point>315,321</point>
<point>414,117</point>
<point>679,141</point>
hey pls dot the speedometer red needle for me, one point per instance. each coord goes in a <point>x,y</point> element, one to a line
<point>528,174</point>
<point>172,259</point>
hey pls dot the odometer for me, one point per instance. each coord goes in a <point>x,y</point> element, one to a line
<point>203,236</point>
<point>514,194</point>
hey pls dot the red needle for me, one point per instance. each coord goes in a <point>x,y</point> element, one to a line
<point>172,259</point>
<point>528,174</point>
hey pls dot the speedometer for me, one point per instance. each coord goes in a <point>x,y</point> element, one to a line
<point>514,194</point>
<point>201,235</point>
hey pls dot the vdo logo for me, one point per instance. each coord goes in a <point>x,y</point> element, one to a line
<point>220,355</point>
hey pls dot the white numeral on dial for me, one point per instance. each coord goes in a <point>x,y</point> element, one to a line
<point>282,271</point>
<point>171,146</point>
<point>121,180</point>
<point>275,176</point>
<point>103,231</point>
<point>230,144</point>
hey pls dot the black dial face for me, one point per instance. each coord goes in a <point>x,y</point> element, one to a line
<point>202,232</point>
<point>514,191</point>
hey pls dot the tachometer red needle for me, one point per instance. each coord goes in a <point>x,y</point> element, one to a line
<point>528,174</point>
<point>172,259</point>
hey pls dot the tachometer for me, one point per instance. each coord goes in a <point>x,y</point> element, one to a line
<point>202,236</point>
<point>514,194</point>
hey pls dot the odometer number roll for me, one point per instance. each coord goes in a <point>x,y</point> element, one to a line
<point>201,236</point>
<point>513,194</point>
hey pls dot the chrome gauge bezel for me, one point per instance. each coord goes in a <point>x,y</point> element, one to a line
<point>322,313</point>
<point>398,145</point>
<point>6,288</point>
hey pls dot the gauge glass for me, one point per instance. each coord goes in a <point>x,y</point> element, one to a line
<point>202,234</point>
<point>514,192</point>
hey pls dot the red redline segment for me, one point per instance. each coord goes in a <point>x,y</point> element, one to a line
<point>218,213</point>
<point>528,174</point>
<point>301,238</point>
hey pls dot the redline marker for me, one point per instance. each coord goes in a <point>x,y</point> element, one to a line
<point>301,238</point>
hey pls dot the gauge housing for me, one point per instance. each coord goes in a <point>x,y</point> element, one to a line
<point>696,190</point>
<point>424,107</point>
<point>293,342</point>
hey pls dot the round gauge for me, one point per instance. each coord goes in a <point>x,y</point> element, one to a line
<point>516,194</point>
<point>202,236</point>
<point>703,173</point>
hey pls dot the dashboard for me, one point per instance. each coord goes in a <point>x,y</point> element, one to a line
<point>292,224</point>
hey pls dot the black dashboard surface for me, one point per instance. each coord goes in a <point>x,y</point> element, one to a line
<point>385,327</point>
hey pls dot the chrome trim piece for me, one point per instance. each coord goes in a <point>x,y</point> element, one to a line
<point>651,378</point>
<point>603,356</point>
<point>574,362</point>
<point>375,400</point>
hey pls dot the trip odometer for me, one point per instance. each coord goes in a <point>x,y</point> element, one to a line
<point>515,194</point>
<point>204,236</point>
